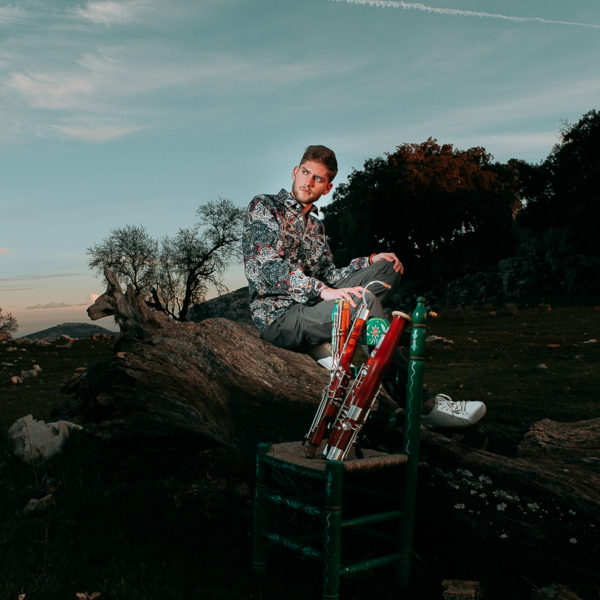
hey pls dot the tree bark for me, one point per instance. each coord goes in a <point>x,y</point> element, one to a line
<point>215,380</point>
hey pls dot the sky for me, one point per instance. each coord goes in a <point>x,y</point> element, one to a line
<point>136,112</point>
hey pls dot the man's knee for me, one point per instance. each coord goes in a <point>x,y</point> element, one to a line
<point>389,275</point>
<point>382,271</point>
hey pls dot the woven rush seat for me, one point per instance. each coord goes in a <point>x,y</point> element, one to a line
<point>294,453</point>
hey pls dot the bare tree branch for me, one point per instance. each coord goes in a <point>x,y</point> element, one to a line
<point>173,279</point>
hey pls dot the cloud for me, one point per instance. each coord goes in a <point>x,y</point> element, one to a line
<point>11,14</point>
<point>38,277</point>
<point>98,81</point>
<point>98,86</point>
<point>517,113</point>
<point>108,12</point>
<point>55,91</point>
<point>5,251</point>
<point>548,101</point>
<point>462,13</point>
<point>511,143</point>
<point>115,91</point>
<point>96,133</point>
<point>54,305</point>
<point>50,305</point>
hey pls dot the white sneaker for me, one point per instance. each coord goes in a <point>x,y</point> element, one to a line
<point>322,354</point>
<point>450,413</point>
<point>326,362</point>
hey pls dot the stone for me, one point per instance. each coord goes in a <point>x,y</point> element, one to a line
<point>34,440</point>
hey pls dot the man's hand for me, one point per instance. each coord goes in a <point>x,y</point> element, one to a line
<point>398,266</point>
<point>344,293</point>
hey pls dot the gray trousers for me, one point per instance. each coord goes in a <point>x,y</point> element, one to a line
<point>305,325</point>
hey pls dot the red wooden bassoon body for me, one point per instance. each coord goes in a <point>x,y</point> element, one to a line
<point>360,398</point>
<point>333,394</point>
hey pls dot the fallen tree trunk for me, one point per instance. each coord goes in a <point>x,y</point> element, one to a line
<point>215,380</point>
<point>218,381</point>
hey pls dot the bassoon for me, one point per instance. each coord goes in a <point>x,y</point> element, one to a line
<point>333,394</point>
<point>359,400</point>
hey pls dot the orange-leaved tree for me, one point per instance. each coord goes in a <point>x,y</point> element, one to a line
<point>442,210</point>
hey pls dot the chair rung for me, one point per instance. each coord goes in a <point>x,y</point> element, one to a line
<point>305,507</point>
<point>372,563</point>
<point>376,462</point>
<point>371,519</point>
<point>291,544</point>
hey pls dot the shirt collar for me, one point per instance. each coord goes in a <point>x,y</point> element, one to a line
<point>291,202</point>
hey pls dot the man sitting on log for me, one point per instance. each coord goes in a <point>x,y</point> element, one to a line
<point>294,282</point>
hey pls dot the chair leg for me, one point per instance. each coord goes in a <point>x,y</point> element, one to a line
<point>407,523</point>
<point>333,529</point>
<point>412,436</point>
<point>260,543</point>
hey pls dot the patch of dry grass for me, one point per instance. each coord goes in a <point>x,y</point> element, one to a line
<point>526,366</point>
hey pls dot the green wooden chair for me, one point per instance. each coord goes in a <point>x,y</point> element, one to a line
<point>335,504</point>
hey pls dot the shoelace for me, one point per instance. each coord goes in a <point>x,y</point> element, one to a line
<point>456,407</point>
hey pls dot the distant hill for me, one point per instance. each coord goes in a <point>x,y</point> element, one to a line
<point>73,330</point>
<point>233,306</point>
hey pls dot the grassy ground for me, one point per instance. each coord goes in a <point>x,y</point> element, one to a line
<point>525,365</point>
<point>171,520</point>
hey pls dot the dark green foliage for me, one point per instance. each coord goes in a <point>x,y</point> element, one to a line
<point>430,204</point>
<point>469,230</point>
<point>570,196</point>
<point>558,256</point>
<point>545,268</point>
<point>548,267</point>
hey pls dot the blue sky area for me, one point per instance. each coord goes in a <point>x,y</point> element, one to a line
<point>136,112</point>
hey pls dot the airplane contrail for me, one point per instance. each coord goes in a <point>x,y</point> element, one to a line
<point>462,13</point>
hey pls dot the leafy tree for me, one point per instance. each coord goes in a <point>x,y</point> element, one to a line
<point>197,257</point>
<point>558,256</point>
<point>569,197</point>
<point>8,325</point>
<point>176,273</point>
<point>530,180</point>
<point>443,211</point>
<point>130,253</point>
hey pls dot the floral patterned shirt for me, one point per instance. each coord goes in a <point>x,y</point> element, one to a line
<point>286,260</point>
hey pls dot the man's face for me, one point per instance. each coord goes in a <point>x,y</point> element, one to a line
<point>311,181</point>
